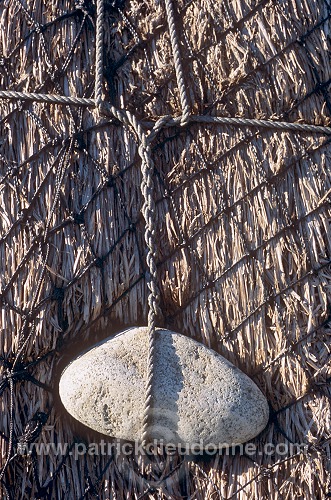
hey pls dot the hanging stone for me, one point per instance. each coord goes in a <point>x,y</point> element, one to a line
<point>199,396</point>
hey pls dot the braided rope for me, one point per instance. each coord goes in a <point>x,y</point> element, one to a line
<point>178,62</point>
<point>148,210</point>
<point>99,53</point>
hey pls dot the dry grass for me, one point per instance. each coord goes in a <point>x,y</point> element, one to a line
<point>253,278</point>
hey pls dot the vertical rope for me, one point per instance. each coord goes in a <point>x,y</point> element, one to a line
<point>148,210</point>
<point>99,53</point>
<point>178,62</point>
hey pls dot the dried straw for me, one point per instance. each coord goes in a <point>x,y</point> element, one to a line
<point>242,222</point>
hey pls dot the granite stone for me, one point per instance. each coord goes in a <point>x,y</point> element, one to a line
<point>199,396</point>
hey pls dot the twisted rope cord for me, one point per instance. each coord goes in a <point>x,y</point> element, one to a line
<point>47,98</point>
<point>99,53</point>
<point>147,186</point>
<point>158,126</point>
<point>121,115</point>
<point>147,174</point>
<point>252,122</point>
<point>244,122</point>
<point>178,62</point>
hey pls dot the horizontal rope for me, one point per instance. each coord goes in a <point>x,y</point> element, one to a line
<point>242,122</point>
<point>296,127</point>
<point>168,120</point>
<point>47,98</point>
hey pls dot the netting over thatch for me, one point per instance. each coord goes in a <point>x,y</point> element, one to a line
<point>244,240</point>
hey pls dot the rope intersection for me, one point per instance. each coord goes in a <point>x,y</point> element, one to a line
<point>146,132</point>
<point>167,120</point>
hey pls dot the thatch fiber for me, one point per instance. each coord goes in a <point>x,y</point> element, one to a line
<point>243,228</point>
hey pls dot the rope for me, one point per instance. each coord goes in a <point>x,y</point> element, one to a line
<point>296,127</point>
<point>47,98</point>
<point>242,122</point>
<point>178,62</point>
<point>99,54</point>
<point>121,115</point>
<point>148,210</point>
<point>147,185</point>
<point>159,125</point>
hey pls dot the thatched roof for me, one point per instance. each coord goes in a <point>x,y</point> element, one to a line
<point>244,241</point>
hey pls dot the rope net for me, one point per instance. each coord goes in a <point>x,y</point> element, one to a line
<point>242,211</point>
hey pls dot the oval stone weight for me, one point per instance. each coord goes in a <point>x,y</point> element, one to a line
<point>199,396</point>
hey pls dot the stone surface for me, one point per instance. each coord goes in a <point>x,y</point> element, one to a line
<point>200,397</point>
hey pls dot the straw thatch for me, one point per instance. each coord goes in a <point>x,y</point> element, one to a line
<point>244,241</point>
